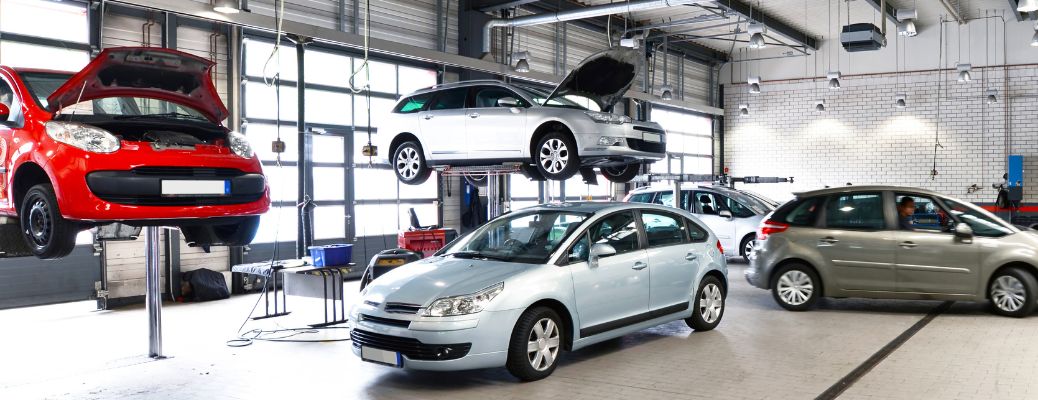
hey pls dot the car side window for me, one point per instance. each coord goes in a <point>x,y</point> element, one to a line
<point>921,213</point>
<point>663,229</point>
<point>696,233</point>
<point>8,99</point>
<point>413,104</point>
<point>487,97</point>
<point>580,250</point>
<point>738,210</point>
<point>799,212</point>
<point>706,203</point>
<point>982,225</point>
<point>619,230</point>
<point>855,211</point>
<point>642,197</point>
<point>450,99</point>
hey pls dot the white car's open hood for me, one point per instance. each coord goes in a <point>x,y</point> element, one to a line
<point>603,77</point>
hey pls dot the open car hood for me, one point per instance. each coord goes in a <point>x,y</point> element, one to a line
<point>603,77</point>
<point>148,72</point>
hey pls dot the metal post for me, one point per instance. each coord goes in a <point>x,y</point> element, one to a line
<point>153,295</point>
<point>305,225</point>
<point>493,197</point>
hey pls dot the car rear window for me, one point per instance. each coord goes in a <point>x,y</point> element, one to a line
<point>799,212</point>
<point>413,104</point>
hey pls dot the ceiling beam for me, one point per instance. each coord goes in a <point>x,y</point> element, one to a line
<point>788,31</point>
<point>890,13</point>
<point>497,5</point>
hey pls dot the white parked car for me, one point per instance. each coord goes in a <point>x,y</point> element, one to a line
<point>553,134</point>
<point>732,214</point>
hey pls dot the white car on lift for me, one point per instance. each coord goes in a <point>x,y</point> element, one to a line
<point>732,214</point>
<point>550,135</point>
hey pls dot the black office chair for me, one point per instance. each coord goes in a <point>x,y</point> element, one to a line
<point>415,225</point>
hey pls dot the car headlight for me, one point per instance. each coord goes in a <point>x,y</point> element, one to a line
<point>86,137</point>
<point>610,141</point>
<point>608,118</point>
<point>461,305</point>
<point>239,144</point>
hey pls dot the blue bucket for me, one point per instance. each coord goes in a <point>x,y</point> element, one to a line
<point>331,255</point>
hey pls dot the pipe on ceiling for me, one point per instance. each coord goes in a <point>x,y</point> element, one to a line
<point>586,12</point>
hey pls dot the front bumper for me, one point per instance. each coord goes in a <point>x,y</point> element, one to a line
<point>641,143</point>
<point>436,344</point>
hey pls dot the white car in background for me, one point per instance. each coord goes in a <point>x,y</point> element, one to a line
<point>733,215</point>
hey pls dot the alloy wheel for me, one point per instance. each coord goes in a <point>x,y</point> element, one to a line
<point>711,303</point>
<point>39,223</point>
<point>1008,293</point>
<point>408,163</point>
<point>749,247</point>
<point>543,346</point>
<point>554,156</point>
<point>795,287</point>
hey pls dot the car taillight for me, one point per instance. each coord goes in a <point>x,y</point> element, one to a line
<point>719,248</point>
<point>768,227</point>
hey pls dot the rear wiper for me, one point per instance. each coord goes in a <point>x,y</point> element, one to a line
<point>475,254</point>
<point>174,115</point>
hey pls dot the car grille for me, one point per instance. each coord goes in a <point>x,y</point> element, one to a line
<point>642,145</point>
<point>410,347</point>
<point>187,171</point>
<point>402,308</point>
<point>399,323</point>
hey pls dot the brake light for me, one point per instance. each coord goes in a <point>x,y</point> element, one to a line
<point>719,248</point>
<point>769,227</point>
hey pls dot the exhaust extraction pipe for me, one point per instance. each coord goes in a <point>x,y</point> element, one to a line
<point>586,12</point>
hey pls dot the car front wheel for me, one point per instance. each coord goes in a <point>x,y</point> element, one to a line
<point>621,174</point>
<point>409,164</point>
<point>796,287</point>
<point>556,156</point>
<point>48,234</point>
<point>533,351</point>
<point>1012,292</point>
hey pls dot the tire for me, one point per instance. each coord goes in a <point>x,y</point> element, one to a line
<point>621,174</point>
<point>708,308</point>
<point>555,156</point>
<point>746,246</point>
<point>46,232</point>
<point>240,234</point>
<point>519,362</point>
<point>1013,292</point>
<point>409,164</point>
<point>799,278</point>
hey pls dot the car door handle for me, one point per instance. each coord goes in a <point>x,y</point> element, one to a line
<point>690,256</point>
<point>428,117</point>
<point>639,265</point>
<point>474,115</point>
<point>907,244</point>
<point>828,240</point>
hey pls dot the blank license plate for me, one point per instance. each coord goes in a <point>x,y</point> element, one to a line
<point>196,188</point>
<point>379,356</point>
<point>651,137</point>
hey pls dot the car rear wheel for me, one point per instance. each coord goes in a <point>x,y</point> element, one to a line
<point>556,156</point>
<point>1012,292</point>
<point>746,247</point>
<point>796,287</point>
<point>533,352</point>
<point>48,234</point>
<point>709,306</point>
<point>409,164</point>
<point>622,173</point>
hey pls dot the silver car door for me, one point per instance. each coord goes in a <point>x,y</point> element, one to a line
<point>930,258</point>
<point>856,242</point>
<point>443,125</point>
<point>495,132</point>
<point>614,287</point>
<point>708,210</point>
<point>673,259</point>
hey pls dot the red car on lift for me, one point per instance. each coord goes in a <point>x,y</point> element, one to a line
<point>135,137</point>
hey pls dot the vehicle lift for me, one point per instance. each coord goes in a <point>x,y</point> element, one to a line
<point>723,180</point>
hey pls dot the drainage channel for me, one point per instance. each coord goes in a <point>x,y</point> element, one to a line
<point>848,380</point>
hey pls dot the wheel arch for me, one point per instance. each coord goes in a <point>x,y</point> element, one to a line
<point>742,249</point>
<point>720,277</point>
<point>1012,264</point>
<point>772,276</point>
<point>27,175</point>
<point>543,129</point>
<point>567,319</point>
<point>399,139</point>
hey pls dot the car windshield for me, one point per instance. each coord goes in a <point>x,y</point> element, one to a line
<point>526,237</point>
<point>41,85</point>
<point>576,102</point>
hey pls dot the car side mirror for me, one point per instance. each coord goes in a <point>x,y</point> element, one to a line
<point>509,102</point>
<point>5,112</point>
<point>598,251</point>
<point>725,214</point>
<point>963,231</point>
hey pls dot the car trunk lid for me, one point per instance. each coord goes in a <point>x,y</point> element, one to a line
<point>156,73</point>
<point>603,77</point>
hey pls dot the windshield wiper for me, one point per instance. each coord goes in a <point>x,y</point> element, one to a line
<point>476,254</point>
<point>174,115</point>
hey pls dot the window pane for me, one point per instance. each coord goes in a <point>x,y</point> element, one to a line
<point>261,102</point>
<point>282,181</point>
<point>412,79</point>
<point>803,213</point>
<point>921,213</point>
<point>22,55</point>
<point>330,222</point>
<point>261,136</point>
<point>324,107</point>
<point>618,230</point>
<point>426,190</point>
<point>380,109</point>
<point>377,219</point>
<point>64,21</point>
<point>663,230</point>
<point>696,232</point>
<point>983,225</point>
<point>707,203</point>
<point>329,183</point>
<point>374,184</point>
<point>279,222</point>
<point>427,215</point>
<point>449,99</point>
<point>329,149</point>
<point>258,52</point>
<point>326,68</point>
<point>524,188</point>
<point>855,211</point>
<point>383,76</point>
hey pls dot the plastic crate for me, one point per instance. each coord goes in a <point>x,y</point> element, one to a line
<point>425,242</point>
<point>331,255</point>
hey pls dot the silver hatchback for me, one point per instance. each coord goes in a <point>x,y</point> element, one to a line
<point>893,243</point>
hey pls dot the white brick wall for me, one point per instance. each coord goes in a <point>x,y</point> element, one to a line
<point>863,139</point>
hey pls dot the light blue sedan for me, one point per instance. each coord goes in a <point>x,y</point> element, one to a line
<point>526,286</point>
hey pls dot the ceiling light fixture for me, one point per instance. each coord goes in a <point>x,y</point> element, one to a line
<point>666,93</point>
<point>964,71</point>
<point>227,6</point>
<point>756,32</point>
<point>522,65</point>
<point>820,105</point>
<point>834,79</point>
<point>992,96</point>
<point>1027,5</point>
<point>906,19</point>
<point>901,100</point>
<point>744,109</point>
<point>754,82</point>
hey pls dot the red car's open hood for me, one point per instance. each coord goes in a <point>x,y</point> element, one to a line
<point>149,72</point>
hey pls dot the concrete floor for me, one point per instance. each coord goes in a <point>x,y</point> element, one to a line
<point>758,352</point>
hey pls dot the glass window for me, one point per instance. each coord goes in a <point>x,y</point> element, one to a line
<point>580,250</point>
<point>695,232</point>
<point>383,76</point>
<point>24,55</point>
<point>982,223</point>
<point>261,101</point>
<point>802,213</point>
<point>855,211</point>
<point>738,210</point>
<point>380,109</point>
<point>66,21</point>
<point>257,54</point>
<point>282,181</point>
<point>7,98</point>
<point>324,107</point>
<point>360,139</point>
<point>412,79</point>
<point>326,68</point>
<point>921,213</point>
<point>377,219</point>
<point>262,136</point>
<point>707,203</point>
<point>328,149</point>
<point>374,184</point>
<point>450,99</point>
<point>279,223</point>
<point>487,97</point>
<point>425,191</point>
<point>413,104</point>
<point>428,214</point>
<point>619,230</point>
<point>329,183</point>
<point>330,222</point>
<point>662,229</point>
<point>642,197</point>
<point>529,237</point>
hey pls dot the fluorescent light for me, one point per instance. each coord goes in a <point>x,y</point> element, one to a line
<point>522,65</point>
<point>227,6</point>
<point>666,93</point>
<point>1027,5</point>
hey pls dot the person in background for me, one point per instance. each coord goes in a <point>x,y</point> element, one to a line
<point>905,209</point>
